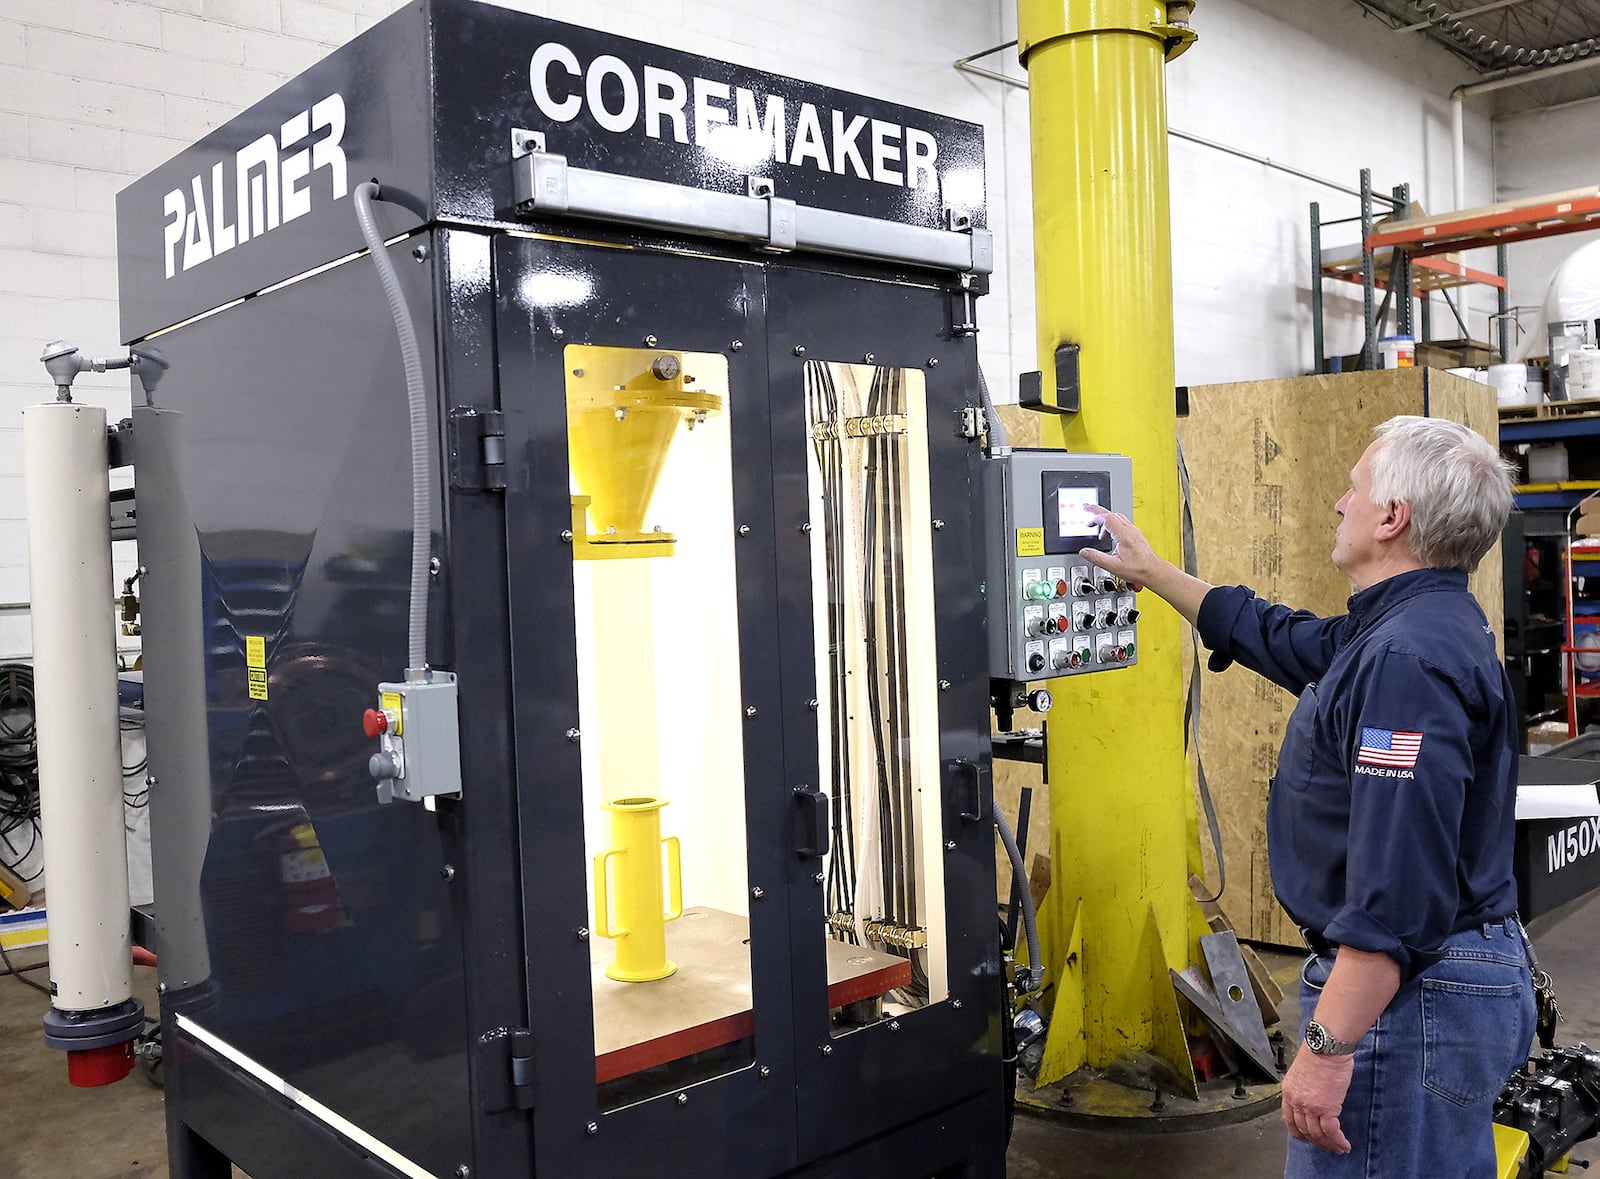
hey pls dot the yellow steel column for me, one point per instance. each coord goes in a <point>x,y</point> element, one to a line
<point>1119,911</point>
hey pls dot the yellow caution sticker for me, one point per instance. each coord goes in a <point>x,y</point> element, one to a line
<point>390,702</point>
<point>1030,542</point>
<point>255,661</point>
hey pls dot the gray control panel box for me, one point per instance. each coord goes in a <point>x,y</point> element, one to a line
<point>1051,613</point>
<point>419,745</point>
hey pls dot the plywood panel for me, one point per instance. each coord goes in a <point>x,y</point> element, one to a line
<point>1267,461</point>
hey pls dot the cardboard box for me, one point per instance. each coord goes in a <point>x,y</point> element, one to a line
<point>1267,460</point>
<point>14,890</point>
<point>1546,735</point>
<point>1456,354</point>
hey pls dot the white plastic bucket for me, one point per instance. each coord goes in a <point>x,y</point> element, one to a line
<point>1397,352</point>
<point>1510,383</point>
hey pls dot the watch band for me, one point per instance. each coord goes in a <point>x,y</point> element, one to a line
<point>1322,1043</point>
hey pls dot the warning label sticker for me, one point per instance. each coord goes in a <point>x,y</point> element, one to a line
<point>255,660</point>
<point>1030,542</point>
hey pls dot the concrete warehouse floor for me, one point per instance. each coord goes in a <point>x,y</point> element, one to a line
<point>49,1130</point>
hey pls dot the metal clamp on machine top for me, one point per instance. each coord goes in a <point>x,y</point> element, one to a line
<point>544,183</point>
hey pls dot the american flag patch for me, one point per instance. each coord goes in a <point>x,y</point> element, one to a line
<point>1384,747</point>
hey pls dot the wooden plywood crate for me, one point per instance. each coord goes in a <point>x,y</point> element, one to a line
<point>1267,461</point>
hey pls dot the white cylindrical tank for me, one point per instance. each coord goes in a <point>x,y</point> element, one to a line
<point>75,702</point>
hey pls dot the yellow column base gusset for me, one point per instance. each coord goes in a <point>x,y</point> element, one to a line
<point>1064,1049</point>
<point>1121,846</point>
<point>1067,1042</point>
<point>1510,1152</point>
<point>640,928</point>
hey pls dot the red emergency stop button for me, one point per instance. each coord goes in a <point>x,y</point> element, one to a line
<point>374,722</point>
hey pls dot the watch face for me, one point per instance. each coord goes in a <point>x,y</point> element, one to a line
<point>1316,1037</point>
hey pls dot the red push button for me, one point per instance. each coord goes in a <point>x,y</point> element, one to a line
<point>1061,589</point>
<point>374,723</point>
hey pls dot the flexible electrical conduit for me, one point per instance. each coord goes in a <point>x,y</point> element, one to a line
<point>1030,921</point>
<point>421,453</point>
<point>1474,41</point>
<point>999,440</point>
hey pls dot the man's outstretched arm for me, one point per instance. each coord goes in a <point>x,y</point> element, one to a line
<point>1135,561</point>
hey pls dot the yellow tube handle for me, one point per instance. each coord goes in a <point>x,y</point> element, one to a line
<point>674,879</point>
<point>602,902</point>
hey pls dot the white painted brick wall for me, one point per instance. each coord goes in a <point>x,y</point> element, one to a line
<point>95,92</point>
<point>1538,152</point>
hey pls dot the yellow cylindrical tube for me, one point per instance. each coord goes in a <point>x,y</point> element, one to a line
<point>1103,278</point>
<point>643,904</point>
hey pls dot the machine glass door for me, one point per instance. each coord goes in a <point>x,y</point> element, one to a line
<point>654,804</point>
<point>880,564</point>
<point>878,740</point>
<point>661,712</point>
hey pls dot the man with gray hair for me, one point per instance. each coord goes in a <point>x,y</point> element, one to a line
<point>1389,821</point>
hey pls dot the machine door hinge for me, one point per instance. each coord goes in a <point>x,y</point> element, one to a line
<point>521,1068</point>
<point>477,449</point>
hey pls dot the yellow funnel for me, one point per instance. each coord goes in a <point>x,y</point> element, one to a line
<point>624,405</point>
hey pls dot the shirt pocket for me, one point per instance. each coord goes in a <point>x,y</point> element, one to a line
<point>1474,1033</point>
<point>1296,757</point>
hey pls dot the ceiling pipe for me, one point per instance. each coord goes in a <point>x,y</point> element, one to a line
<point>966,65</point>
<point>1458,163</point>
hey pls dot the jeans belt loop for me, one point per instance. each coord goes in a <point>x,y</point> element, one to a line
<point>1315,942</point>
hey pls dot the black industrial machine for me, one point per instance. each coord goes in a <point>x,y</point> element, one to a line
<point>584,770</point>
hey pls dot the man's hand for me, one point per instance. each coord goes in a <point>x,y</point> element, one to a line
<point>1132,559</point>
<point>1313,1094</point>
<point>1136,562</point>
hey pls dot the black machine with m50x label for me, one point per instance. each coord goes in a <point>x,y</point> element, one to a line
<point>632,815</point>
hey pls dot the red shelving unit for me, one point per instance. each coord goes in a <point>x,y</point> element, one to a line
<point>1492,225</point>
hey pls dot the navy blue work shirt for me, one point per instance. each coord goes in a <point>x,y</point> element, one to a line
<point>1390,819</point>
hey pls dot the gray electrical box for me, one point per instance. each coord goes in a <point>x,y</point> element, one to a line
<point>419,741</point>
<point>1051,613</point>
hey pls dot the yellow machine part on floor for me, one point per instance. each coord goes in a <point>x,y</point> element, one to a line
<point>1119,912</point>
<point>1511,1151</point>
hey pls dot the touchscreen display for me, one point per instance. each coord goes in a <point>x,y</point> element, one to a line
<point>1072,511</point>
<point>1065,500</point>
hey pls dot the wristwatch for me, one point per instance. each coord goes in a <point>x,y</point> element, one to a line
<point>1321,1042</point>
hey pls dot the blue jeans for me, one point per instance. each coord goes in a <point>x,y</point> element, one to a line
<point>1427,1073</point>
